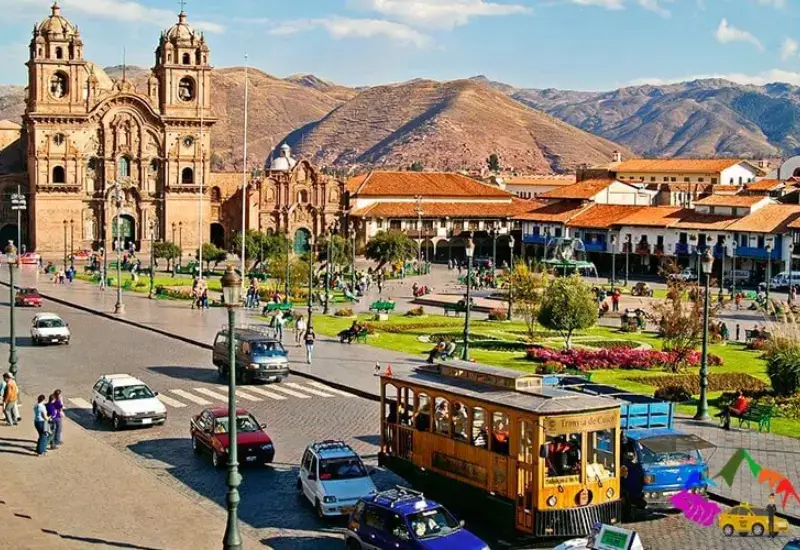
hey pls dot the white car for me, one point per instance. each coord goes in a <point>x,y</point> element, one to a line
<point>49,328</point>
<point>126,401</point>
<point>333,477</point>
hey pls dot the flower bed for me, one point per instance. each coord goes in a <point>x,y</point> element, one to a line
<point>344,312</point>
<point>609,344</point>
<point>618,358</point>
<point>691,382</point>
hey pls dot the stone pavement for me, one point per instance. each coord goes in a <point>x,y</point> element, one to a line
<point>66,501</point>
<point>351,367</point>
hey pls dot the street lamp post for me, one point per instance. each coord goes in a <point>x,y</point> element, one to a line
<point>328,267</point>
<point>119,307</point>
<point>768,248</point>
<point>71,241</point>
<point>286,282</point>
<point>174,263</point>
<point>494,232</point>
<point>152,257</point>
<point>232,293</point>
<point>734,245</point>
<point>470,249</point>
<point>180,244</point>
<point>418,210</point>
<point>627,255</point>
<point>510,275</point>
<point>707,263</point>
<point>791,269</point>
<point>613,261</point>
<point>311,249</point>
<point>65,244</point>
<point>11,258</point>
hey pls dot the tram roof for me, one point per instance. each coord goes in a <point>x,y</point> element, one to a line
<point>540,400</point>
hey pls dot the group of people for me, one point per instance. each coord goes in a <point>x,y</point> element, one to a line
<point>199,293</point>
<point>252,298</point>
<point>47,414</point>
<point>63,276</point>
<point>445,349</point>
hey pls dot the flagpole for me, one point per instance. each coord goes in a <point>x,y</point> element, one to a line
<point>202,177</point>
<point>244,172</point>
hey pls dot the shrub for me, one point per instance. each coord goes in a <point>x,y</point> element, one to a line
<point>415,312</point>
<point>174,293</point>
<point>678,394</point>
<point>783,367</point>
<point>691,382</point>
<point>609,344</point>
<point>550,367</point>
<point>588,359</point>
<point>498,345</point>
<point>498,315</point>
<point>344,312</point>
<point>758,344</point>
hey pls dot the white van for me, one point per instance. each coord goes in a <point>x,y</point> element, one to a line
<point>784,279</point>
<point>738,276</point>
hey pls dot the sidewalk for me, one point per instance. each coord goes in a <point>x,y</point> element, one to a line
<point>351,367</point>
<point>86,494</point>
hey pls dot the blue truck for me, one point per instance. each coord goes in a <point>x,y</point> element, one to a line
<point>657,460</point>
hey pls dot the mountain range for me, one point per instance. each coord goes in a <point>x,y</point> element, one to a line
<point>457,124</point>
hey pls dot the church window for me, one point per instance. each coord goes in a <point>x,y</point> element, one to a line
<point>187,175</point>
<point>59,175</point>
<point>124,167</point>
<point>187,59</point>
<point>154,166</point>
<point>302,196</point>
<point>197,57</point>
<point>58,139</point>
<point>59,53</point>
<point>216,194</point>
<point>58,85</point>
<point>186,89</point>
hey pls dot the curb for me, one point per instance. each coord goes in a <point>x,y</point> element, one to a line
<point>335,385</point>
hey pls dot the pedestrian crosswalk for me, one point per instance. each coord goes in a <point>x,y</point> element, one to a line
<point>206,396</point>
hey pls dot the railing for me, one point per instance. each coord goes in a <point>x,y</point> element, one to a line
<point>426,233</point>
<point>642,248</point>
<point>534,238</point>
<point>681,248</point>
<point>757,253</point>
<point>595,247</point>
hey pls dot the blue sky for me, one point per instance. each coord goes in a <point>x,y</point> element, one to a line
<point>568,44</point>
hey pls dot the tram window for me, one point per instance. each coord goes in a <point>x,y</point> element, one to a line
<point>406,405</point>
<point>422,417</point>
<point>500,433</point>
<point>563,455</point>
<point>600,460</point>
<point>441,417</point>
<point>390,400</point>
<point>480,434</point>
<point>526,441</point>
<point>460,421</point>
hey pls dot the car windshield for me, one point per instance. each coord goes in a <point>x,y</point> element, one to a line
<point>127,393</point>
<point>341,468</point>
<point>28,292</point>
<point>671,459</point>
<point>437,522</point>
<point>267,348</point>
<point>49,323</point>
<point>244,423</point>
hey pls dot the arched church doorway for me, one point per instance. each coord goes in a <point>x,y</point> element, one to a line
<point>8,233</point>
<point>218,235</point>
<point>127,231</point>
<point>302,241</point>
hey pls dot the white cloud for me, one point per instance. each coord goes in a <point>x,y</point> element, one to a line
<point>760,79</point>
<point>445,14</point>
<point>342,27</point>
<point>726,33</point>
<point>607,4</point>
<point>119,10</point>
<point>788,48</point>
<point>655,7</point>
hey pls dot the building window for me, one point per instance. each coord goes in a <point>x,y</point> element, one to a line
<point>443,223</point>
<point>731,181</point>
<point>58,85</point>
<point>713,181</point>
<point>700,180</point>
<point>187,59</point>
<point>302,196</point>
<point>379,223</point>
<point>652,178</point>
<point>740,180</point>
<point>59,53</point>
<point>187,175</point>
<point>154,166</point>
<point>686,180</point>
<point>124,170</point>
<point>666,178</point>
<point>59,176</point>
<point>673,179</point>
<point>186,89</point>
<point>395,225</point>
<point>216,194</point>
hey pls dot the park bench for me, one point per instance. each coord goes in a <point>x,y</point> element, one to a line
<point>750,335</point>
<point>382,306</point>
<point>456,308</point>
<point>276,306</point>
<point>760,414</point>
<point>362,336</point>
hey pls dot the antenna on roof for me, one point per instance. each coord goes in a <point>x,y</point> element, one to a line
<point>124,64</point>
<point>183,5</point>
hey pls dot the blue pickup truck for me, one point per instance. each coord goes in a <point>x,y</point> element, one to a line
<point>657,460</point>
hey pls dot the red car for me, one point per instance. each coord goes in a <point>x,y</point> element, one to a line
<point>28,297</point>
<point>209,431</point>
<point>84,254</point>
<point>29,258</point>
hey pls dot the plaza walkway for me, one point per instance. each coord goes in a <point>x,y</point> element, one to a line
<point>352,367</point>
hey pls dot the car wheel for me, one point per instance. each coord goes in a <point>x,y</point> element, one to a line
<point>195,445</point>
<point>728,530</point>
<point>318,507</point>
<point>757,529</point>
<point>98,416</point>
<point>353,544</point>
<point>216,459</point>
<point>116,422</point>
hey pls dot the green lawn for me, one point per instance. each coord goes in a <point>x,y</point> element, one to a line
<point>402,334</point>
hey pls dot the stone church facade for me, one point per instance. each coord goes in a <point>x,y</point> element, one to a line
<point>94,149</point>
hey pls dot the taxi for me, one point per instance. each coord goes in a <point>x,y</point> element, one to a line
<point>745,518</point>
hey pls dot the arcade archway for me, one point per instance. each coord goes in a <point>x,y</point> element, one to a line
<point>126,228</point>
<point>218,235</point>
<point>302,241</point>
<point>8,233</point>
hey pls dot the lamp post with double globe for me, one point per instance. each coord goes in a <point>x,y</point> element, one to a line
<point>119,198</point>
<point>11,259</point>
<point>707,265</point>
<point>510,275</point>
<point>470,250</point>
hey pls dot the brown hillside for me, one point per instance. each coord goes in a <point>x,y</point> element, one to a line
<point>446,126</point>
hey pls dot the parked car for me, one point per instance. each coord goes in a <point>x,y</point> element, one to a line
<point>84,254</point>
<point>209,431</point>
<point>793,544</point>
<point>333,477</point>
<point>740,276</point>
<point>687,274</point>
<point>744,519</point>
<point>49,328</point>
<point>404,518</point>
<point>28,297</point>
<point>258,356</point>
<point>29,258</point>
<point>126,401</point>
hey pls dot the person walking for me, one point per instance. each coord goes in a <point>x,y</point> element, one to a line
<point>50,407</point>
<point>40,422</point>
<point>309,338</point>
<point>10,394</point>
<point>58,408</point>
<point>299,329</point>
<point>615,300</point>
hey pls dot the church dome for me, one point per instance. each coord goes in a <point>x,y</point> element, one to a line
<point>181,31</point>
<point>284,162</point>
<point>56,24</point>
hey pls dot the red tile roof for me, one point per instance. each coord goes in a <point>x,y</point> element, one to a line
<point>427,184</point>
<point>653,216</point>
<point>767,184</point>
<point>603,216</point>
<point>464,209</point>
<point>729,200</point>
<point>772,218</point>
<point>559,212</point>
<point>689,219</point>
<point>583,190</point>
<point>553,180</point>
<point>675,165</point>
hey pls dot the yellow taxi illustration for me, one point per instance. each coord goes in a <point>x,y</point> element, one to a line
<point>744,519</point>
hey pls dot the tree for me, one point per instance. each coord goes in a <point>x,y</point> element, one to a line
<point>341,249</point>
<point>390,247</point>
<point>568,304</point>
<point>527,287</point>
<point>212,254</point>
<point>298,271</point>
<point>493,162</point>
<point>167,250</point>
<point>416,166</point>
<point>258,246</point>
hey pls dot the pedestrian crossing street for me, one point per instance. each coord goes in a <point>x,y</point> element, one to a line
<point>181,398</point>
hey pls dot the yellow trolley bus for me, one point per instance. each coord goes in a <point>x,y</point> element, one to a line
<point>529,458</point>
